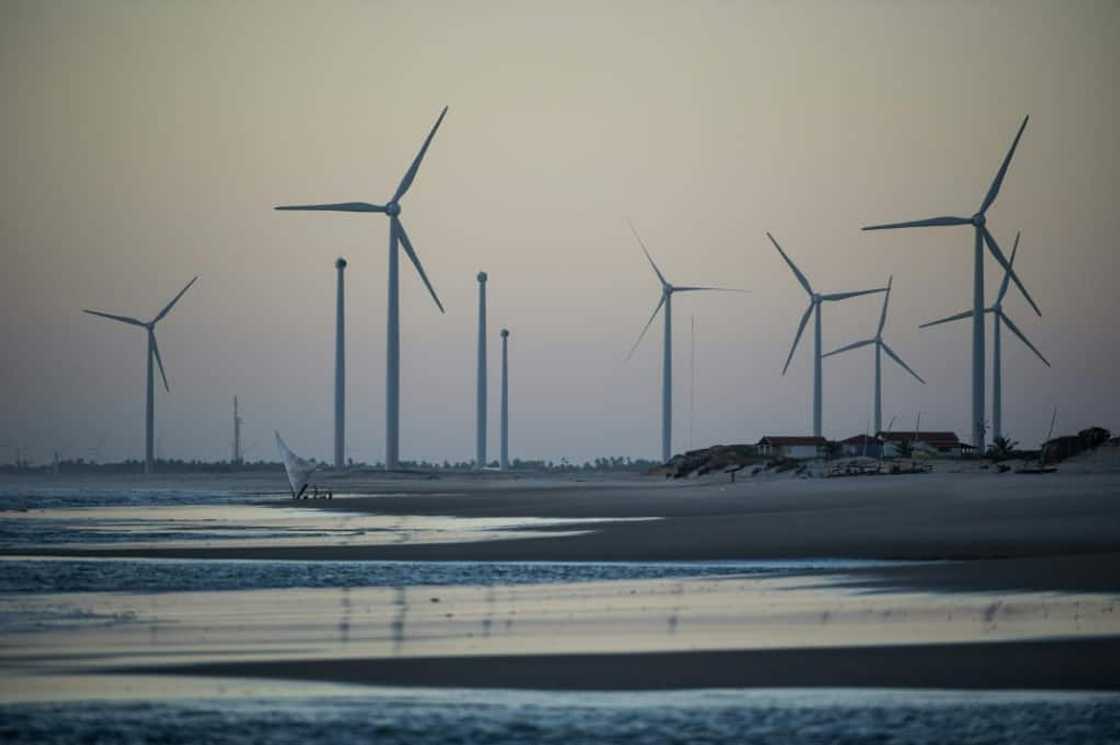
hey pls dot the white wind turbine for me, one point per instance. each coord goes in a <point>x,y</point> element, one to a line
<point>999,318</point>
<point>815,300</point>
<point>982,236</point>
<point>153,353</point>
<point>397,236</point>
<point>666,301</point>
<point>880,347</point>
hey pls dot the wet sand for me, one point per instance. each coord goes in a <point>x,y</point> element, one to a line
<point>1046,522</point>
<point>1001,534</point>
<point>1082,664</point>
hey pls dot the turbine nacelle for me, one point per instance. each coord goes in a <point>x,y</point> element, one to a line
<point>393,209</point>
<point>979,219</point>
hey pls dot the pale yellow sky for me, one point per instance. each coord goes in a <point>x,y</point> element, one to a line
<point>146,142</point>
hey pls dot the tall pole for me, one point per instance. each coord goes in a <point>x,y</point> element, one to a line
<point>480,413</point>
<point>878,386</point>
<point>340,371</point>
<point>236,434</point>
<point>997,383</point>
<point>692,379</point>
<point>504,462</point>
<point>667,382</point>
<point>978,344</point>
<point>149,419</point>
<point>817,368</point>
<point>392,360</point>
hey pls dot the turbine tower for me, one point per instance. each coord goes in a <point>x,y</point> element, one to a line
<point>982,236</point>
<point>999,318</point>
<point>814,309</point>
<point>340,370</point>
<point>153,353</point>
<point>397,237</point>
<point>667,290</point>
<point>880,347</point>
<point>236,434</point>
<point>480,432</point>
<point>504,462</point>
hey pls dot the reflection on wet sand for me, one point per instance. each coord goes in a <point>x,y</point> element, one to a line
<point>185,526</point>
<point>93,632</point>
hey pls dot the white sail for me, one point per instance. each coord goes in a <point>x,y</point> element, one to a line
<point>298,470</point>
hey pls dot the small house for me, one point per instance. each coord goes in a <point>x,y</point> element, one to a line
<point>945,444</point>
<point>862,445</point>
<point>800,448</point>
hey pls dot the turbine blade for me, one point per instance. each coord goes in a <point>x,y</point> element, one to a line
<point>407,244</point>
<point>122,319</point>
<point>928,223</point>
<point>410,174</point>
<point>159,361</point>
<point>336,207</point>
<point>660,276</point>
<point>1007,275</point>
<point>797,338</point>
<point>993,191</point>
<point>994,248</point>
<point>169,306</point>
<point>898,359</point>
<point>854,345</point>
<point>705,289</point>
<point>886,301</point>
<point>646,327</point>
<point>797,272</point>
<point>846,295</point>
<point>947,319</point>
<point>1015,330</point>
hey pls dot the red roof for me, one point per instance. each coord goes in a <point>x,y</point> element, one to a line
<point>799,440</point>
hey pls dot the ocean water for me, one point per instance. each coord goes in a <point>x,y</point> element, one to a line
<point>501,717</point>
<point>35,576</point>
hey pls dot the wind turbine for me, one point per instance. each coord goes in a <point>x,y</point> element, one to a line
<point>153,352</point>
<point>667,290</point>
<point>880,347</point>
<point>999,318</point>
<point>982,236</point>
<point>397,236</point>
<point>815,300</point>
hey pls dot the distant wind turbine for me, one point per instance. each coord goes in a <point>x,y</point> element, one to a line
<point>983,236</point>
<point>999,318</point>
<point>880,347</point>
<point>815,300</point>
<point>666,301</point>
<point>153,353</point>
<point>397,236</point>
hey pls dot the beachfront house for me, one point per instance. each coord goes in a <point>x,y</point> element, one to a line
<point>800,448</point>
<point>943,444</point>
<point>862,445</point>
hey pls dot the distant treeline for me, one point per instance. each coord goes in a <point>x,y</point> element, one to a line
<point>81,466</point>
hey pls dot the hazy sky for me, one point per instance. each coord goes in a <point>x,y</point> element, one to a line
<point>146,142</point>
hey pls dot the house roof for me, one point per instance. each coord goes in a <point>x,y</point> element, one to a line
<point>859,440</point>
<point>795,440</point>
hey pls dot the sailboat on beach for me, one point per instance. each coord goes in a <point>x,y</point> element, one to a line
<point>299,470</point>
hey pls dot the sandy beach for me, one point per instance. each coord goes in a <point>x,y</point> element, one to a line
<point>994,552</point>
<point>1043,523</point>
